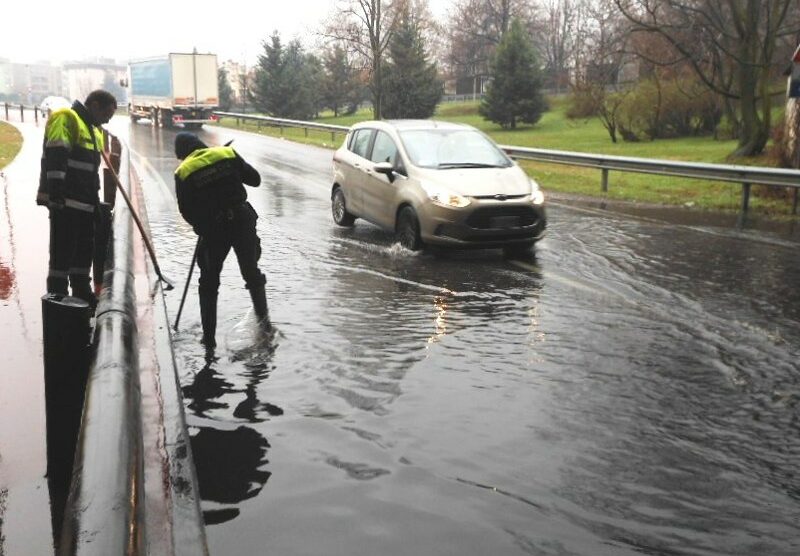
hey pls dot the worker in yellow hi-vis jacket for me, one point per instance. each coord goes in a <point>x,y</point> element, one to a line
<point>209,186</point>
<point>68,186</point>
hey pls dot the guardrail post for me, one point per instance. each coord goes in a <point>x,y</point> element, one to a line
<point>333,137</point>
<point>745,198</point>
<point>36,114</point>
<point>66,339</point>
<point>794,203</point>
<point>6,104</point>
<point>21,113</point>
<point>604,181</point>
<point>306,130</point>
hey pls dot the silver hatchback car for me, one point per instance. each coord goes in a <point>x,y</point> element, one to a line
<point>437,183</point>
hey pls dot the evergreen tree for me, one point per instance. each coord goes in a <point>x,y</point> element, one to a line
<point>267,89</point>
<point>225,91</point>
<point>286,81</point>
<point>297,75</point>
<point>515,93</point>
<point>342,90</point>
<point>412,88</point>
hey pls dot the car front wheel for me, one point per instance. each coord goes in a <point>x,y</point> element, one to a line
<point>407,233</point>
<point>339,209</point>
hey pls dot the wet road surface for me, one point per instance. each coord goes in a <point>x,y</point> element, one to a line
<point>24,501</point>
<point>631,389</point>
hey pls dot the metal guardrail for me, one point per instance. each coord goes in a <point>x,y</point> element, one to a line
<point>747,176</point>
<point>104,510</point>
<point>36,110</point>
<point>281,123</point>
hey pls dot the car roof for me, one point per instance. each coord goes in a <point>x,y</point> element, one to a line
<point>404,125</point>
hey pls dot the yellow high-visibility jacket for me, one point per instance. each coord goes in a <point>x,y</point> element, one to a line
<point>210,181</point>
<point>71,159</point>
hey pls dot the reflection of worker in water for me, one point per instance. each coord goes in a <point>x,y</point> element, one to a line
<point>228,462</point>
<point>211,197</point>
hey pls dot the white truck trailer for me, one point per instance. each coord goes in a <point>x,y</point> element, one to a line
<point>174,89</point>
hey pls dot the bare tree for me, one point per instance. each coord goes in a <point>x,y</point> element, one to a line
<point>365,26</point>
<point>731,46</point>
<point>476,28</point>
<point>560,31</point>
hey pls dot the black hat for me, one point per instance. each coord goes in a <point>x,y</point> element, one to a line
<point>186,143</point>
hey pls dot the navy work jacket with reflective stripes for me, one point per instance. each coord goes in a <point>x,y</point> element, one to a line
<point>209,182</point>
<point>71,159</point>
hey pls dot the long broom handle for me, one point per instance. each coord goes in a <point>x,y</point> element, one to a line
<point>186,287</point>
<point>136,219</point>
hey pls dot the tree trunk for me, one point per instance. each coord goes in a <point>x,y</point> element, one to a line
<point>755,130</point>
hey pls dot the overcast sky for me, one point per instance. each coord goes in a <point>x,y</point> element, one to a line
<point>57,31</point>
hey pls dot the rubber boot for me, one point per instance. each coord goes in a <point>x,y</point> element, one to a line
<point>83,290</point>
<point>259,297</point>
<point>208,317</point>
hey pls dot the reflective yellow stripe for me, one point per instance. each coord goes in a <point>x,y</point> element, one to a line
<point>88,166</point>
<point>77,205</point>
<point>65,128</point>
<point>56,143</point>
<point>201,158</point>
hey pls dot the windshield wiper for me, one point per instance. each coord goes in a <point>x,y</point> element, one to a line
<point>446,165</point>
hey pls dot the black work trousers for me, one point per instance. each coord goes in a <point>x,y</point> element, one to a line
<point>71,250</point>
<point>235,228</point>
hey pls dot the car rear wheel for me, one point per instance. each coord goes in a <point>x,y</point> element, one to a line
<point>407,233</point>
<point>339,209</point>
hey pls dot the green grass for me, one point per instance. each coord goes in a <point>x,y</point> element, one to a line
<point>10,143</point>
<point>555,131</point>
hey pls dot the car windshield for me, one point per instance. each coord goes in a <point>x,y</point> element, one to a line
<point>452,148</point>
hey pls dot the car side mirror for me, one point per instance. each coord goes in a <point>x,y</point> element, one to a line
<point>385,168</point>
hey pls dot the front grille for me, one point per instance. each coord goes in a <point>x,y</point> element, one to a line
<point>499,197</point>
<point>485,218</point>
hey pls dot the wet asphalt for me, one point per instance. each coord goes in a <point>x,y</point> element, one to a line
<point>632,388</point>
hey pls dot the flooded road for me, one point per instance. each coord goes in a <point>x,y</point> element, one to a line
<point>631,389</point>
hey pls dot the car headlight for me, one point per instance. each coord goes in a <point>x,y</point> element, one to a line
<point>446,198</point>
<point>537,195</point>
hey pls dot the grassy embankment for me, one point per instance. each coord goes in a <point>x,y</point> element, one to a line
<point>555,131</point>
<point>10,143</point>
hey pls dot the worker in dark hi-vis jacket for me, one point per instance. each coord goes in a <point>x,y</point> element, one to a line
<point>68,186</point>
<point>211,197</point>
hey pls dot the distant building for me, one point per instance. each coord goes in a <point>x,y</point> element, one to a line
<point>6,82</point>
<point>472,85</point>
<point>81,78</point>
<point>241,80</point>
<point>28,83</point>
